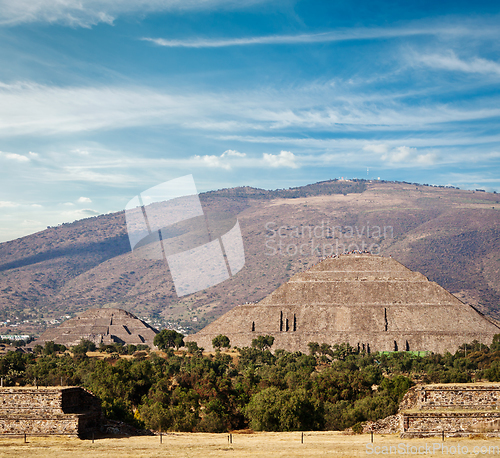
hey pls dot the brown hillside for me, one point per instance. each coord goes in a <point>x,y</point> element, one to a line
<point>451,236</point>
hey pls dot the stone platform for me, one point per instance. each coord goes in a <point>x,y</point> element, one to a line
<point>43,411</point>
<point>454,410</point>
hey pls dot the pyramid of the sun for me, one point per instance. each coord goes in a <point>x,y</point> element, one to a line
<point>371,301</point>
<point>105,326</point>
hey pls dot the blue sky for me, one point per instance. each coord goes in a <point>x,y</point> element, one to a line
<point>101,99</point>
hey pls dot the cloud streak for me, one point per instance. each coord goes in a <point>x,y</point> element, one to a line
<point>14,157</point>
<point>283,159</point>
<point>29,108</point>
<point>220,162</point>
<point>339,35</point>
<point>88,13</point>
<point>449,61</point>
<point>404,155</point>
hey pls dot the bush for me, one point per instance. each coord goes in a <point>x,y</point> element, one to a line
<point>357,428</point>
<point>263,342</point>
<point>168,338</point>
<point>83,347</point>
<point>273,409</point>
<point>221,341</point>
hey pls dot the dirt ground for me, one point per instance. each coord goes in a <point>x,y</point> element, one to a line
<point>184,445</point>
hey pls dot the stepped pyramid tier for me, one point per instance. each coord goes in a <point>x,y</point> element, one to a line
<point>106,326</point>
<point>369,301</point>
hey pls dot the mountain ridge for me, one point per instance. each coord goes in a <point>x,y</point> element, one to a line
<point>452,236</point>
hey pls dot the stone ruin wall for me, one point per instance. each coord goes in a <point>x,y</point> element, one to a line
<point>455,409</point>
<point>476,397</point>
<point>453,424</point>
<point>48,411</point>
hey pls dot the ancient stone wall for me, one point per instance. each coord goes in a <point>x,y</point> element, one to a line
<point>454,409</point>
<point>464,396</point>
<point>453,424</point>
<point>46,411</point>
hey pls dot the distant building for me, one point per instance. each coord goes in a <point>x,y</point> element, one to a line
<point>101,326</point>
<point>15,337</point>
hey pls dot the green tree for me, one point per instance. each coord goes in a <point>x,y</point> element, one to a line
<point>50,348</point>
<point>194,349</point>
<point>273,409</point>
<point>221,341</point>
<point>313,348</point>
<point>168,338</point>
<point>83,347</point>
<point>263,342</point>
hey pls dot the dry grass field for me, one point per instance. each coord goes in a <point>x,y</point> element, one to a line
<point>200,445</point>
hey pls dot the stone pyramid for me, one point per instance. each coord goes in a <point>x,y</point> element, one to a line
<point>105,326</point>
<point>367,300</point>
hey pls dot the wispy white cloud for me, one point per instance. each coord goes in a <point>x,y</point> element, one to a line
<point>354,33</point>
<point>221,161</point>
<point>426,159</point>
<point>400,154</point>
<point>283,159</point>
<point>7,204</point>
<point>211,161</point>
<point>440,139</point>
<point>29,108</point>
<point>89,175</point>
<point>234,153</point>
<point>405,155</point>
<point>450,61</point>
<point>14,157</point>
<point>85,200</point>
<point>77,13</point>
<point>376,148</point>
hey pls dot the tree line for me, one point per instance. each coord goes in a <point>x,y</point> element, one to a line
<point>330,388</point>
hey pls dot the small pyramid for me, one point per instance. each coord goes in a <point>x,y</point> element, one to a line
<point>106,326</point>
<point>369,301</point>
